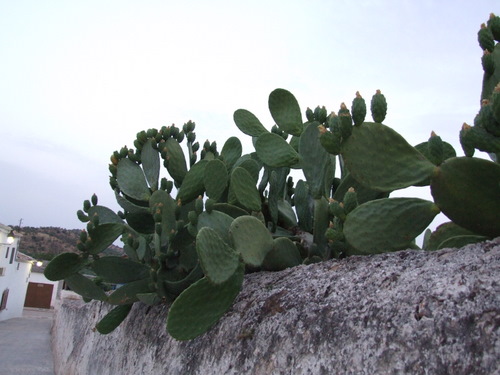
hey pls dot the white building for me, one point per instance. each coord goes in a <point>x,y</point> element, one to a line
<point>42,292</point>
<point>15,269</point>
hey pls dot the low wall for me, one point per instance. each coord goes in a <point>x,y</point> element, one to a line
<point>409,312</point>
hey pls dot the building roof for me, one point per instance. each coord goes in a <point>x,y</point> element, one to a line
<point>20,257</point>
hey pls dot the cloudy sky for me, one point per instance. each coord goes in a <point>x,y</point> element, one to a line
<point>78,79</point>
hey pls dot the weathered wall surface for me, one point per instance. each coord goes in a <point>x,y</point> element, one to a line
<point>410,312</point>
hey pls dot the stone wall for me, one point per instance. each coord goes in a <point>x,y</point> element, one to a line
<point>409,312</point>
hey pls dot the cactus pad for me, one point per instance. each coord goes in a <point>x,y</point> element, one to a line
<point>387,224</point>
<point>467,190</point>
<point>379,158</point>
<point>217,259</point>
<point>201,305</point>
<point>286,111</point>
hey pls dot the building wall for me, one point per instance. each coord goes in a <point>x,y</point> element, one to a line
<point>16,276</point>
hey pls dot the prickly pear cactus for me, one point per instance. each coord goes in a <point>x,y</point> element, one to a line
<point>484,134</point>
<point>195,218</point>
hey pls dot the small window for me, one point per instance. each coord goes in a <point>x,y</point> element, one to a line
<point>12,255</point>
<point>5,296</point>
<point>7,253</point>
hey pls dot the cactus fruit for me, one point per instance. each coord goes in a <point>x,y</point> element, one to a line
<point>358,109</point>
<point>378,107</point>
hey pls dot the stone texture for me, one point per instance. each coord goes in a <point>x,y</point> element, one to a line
<point>409,312</point>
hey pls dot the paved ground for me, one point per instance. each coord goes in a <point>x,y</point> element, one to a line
<point>25,344</point>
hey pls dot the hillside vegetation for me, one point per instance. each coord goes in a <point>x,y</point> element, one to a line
<point>45,243</point>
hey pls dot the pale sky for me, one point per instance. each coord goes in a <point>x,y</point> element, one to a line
<point>78,79</point>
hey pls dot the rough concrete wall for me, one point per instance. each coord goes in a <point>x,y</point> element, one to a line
<point>409,312</point>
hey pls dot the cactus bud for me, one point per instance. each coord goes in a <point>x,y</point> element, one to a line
<point>467,146</point>
<point>158,228</point>
<point>345,122</point>
<point>81,246</point>
<point>309,114</point>
<point>123,152</point>
<point>195,147</point>
<point>333,235</point>
<point>488,62</point>
<point>191,136</point>
<point>198,205</point>
<point>94,199</point>
<point>343,109</point>
<point>142,136</point>
<point>83,236</point>
<point>113,183</point>
<point>378,107</point>
<point>436,150</point>
<point>114,158</point>
<point>495,103</point>
<point>209,205</point>
<point>81,216</point>
<point>86,205</point>
<point>337,210</point>
<point>112,169</point>
<point>180,136</point>
<point>174,131</point>
<point>193,217</point>
<point>494,26</point>
<point>358,109</point>
<point>485,38</point>
<point>350,200</point>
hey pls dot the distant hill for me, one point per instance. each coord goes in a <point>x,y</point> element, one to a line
<point>44,243</point>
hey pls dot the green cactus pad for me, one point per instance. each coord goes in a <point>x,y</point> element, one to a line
<point>150,159</point>
<point>175,160</point>
<point>215,179</point>
<point>443,232</point>
<point>130,206</point>
<point>284,254</point>
<point>113,319</point>
<point>218,221</point>
<point>174,288</point>
<point>231,210</point>
<point>252,167</point>
<point>201,305</point>
<point>192,185</point>
<point>274,151</point>
<point>387,224</point>
<point>85,287</point>
<point>447,152</point>
<point>317,164</point>
<point>248,123</point>
<point>461,241</point>
<point>286,214</point>
<point>105,215</point>
<point>364,194</point>
<point>285,111</point>
<point>162,201</point>
<point>103,236</point>
<point>131,180</point>
<point>147,298</point>
<point>115,269</point>
<point>244,189</point>
<point>127,293</point>
<point>331,142</point>
<point>467,190</point>
<point>304,205</point>
<point>218,260</point>
<point>63,266</point>
<point>379,158</point>
<point>231,151</point>
<point>251,238</point>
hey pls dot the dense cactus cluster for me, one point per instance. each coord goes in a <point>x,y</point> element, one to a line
<point>190,237</point>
